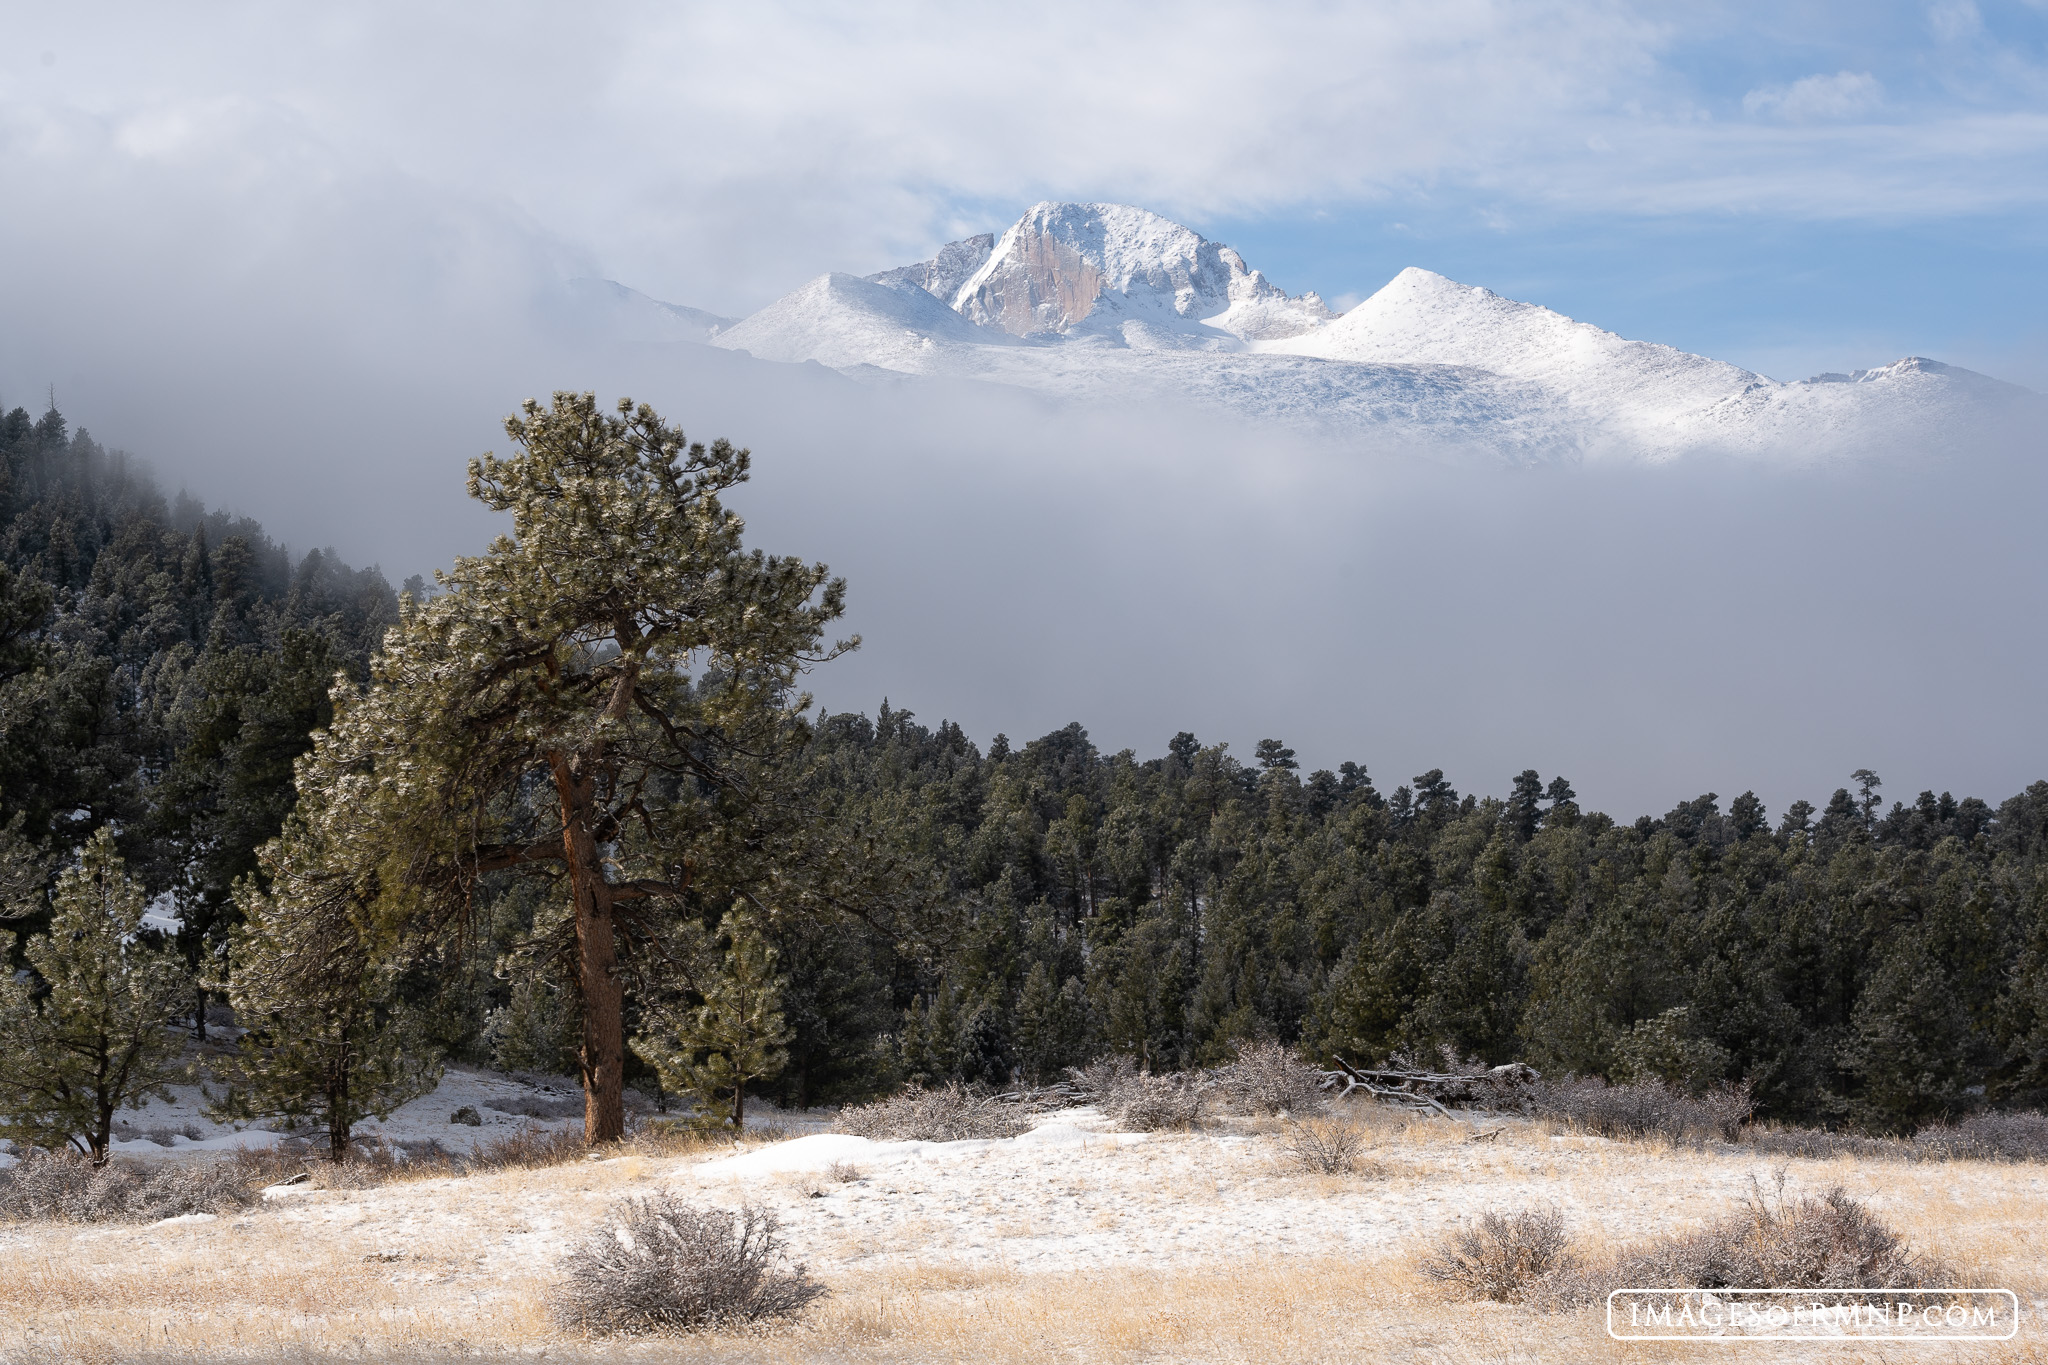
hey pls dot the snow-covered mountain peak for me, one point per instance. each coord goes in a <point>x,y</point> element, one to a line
<point>943,274</point>
<point>1421,316</point>
<point>1128,274</point>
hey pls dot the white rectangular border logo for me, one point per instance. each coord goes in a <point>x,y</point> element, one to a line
<point>1884,1305</point>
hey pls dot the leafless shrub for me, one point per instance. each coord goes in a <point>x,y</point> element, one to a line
<point>658,1264</point>
<point>843,1172</point>
<point>1986,1137</point>
<point>1325,1146</point>
<point>1643,1109</point>
<point>166,1135</point>
<point>529,1146</point>
<point>1819,1144</point>
<point>376,1161</point>
<point>1832,1242</point>
<point>67,1187</point>
<point>1139,1101</point>
<point>949,1115</point>
<point>1268,1078</point>
<point>538,1107</point>
<point>1501,1256</point>
<point>1101,1080</point>
<point>1148,1104</point>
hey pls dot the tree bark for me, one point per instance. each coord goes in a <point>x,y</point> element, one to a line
<point>604,1042</point>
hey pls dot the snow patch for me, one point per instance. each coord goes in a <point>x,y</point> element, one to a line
<point>821,1151</point>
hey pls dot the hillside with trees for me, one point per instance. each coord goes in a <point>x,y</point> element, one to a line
<point>568,810</point>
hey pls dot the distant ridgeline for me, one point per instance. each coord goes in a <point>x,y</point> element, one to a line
<point>161,666</point>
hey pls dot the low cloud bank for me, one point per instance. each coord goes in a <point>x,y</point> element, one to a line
<point>1651,633</point>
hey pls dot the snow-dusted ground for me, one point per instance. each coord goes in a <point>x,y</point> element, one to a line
<point>1071,1241</point>
<point>1070,1194</point>
<point>180,1128</point>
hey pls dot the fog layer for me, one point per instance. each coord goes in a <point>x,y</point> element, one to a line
<point>1651,633</point>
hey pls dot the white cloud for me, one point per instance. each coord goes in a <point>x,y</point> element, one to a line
<point>1954,20</point>
<point>1845,94</point>
<point>719,155</point>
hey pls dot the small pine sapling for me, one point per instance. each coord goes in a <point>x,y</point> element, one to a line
<point>737,1036</point>
<point>87,1034</point>
<point>324,1048</point>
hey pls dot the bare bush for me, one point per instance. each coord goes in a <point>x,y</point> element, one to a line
<point>843,1172</point>
<point>1268,1078</point>
<point>67,1187</point>
<point>949,1115</point>
<point>376,1161</point>
<point>1830,1242</point>
<point>1648,1108</point>
<point>538,1107</point>
<point>657,1264</point>
<point>1102,1080</point>
<point>529,1146</point>
<point>1142,1102</point>
<point>1503,1255</point>
<point>1149,1104</point>
<point>1820,1144</point>
<point>1325,1146</point>
<point>1987,1137</point>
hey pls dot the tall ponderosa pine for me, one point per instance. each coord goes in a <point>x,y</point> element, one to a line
<point>95,1038</point>
<point>602,699</point>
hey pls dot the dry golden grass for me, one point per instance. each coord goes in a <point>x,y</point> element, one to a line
<point>450,1267</point>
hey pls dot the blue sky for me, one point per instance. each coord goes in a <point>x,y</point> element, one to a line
<point>1958,270</point>
<point>1791,186</point>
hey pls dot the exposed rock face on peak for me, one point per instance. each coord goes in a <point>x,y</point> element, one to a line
<point>1099,268</point>
<point>943,274</point>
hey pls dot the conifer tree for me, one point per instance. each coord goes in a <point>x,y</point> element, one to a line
<point>602,699</point>
<point>90,1035</point>
<point>736,1037</point>
<point>328,1041</point>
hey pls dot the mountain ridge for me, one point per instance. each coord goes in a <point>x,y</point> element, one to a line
<point>1107,302</point>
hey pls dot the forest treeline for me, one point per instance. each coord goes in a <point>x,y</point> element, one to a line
<point>848,903</point>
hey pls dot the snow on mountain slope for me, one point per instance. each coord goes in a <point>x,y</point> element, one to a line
<point>1100,302</point>
<point>844,320</point>
<point>943,274</point>
<point>628,312</point>
<point>1421,317</point>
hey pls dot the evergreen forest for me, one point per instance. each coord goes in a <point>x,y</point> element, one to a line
<point>814,908</point>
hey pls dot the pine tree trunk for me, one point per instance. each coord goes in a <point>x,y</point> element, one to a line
<point>604,1047</point>
<point>604,1040</point>
<point>340,1127</point>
